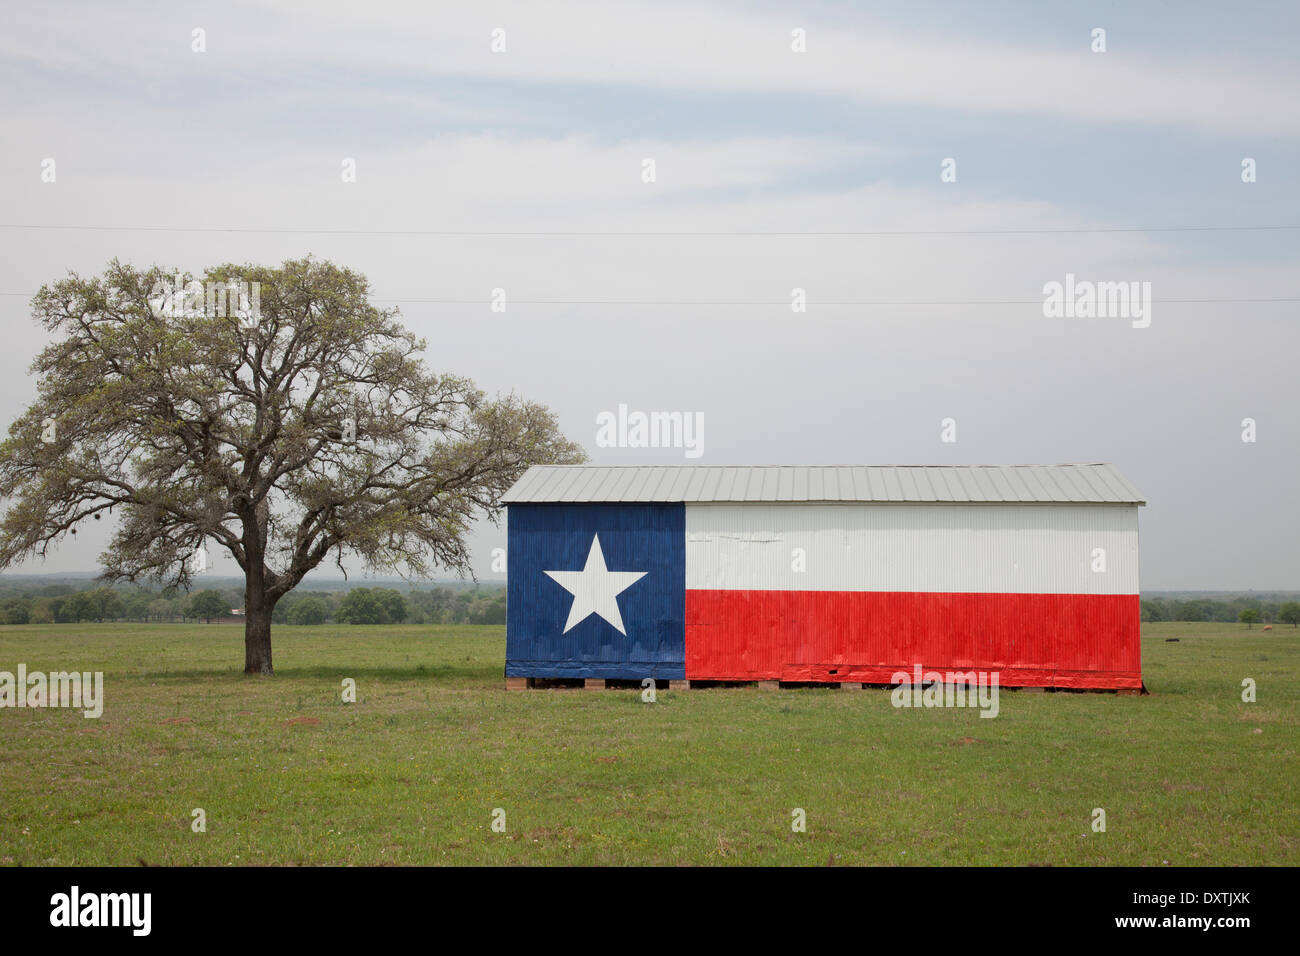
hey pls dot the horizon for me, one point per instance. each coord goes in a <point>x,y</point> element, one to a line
<point>91,575</point>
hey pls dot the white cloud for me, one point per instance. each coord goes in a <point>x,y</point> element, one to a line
<point>670,46</point>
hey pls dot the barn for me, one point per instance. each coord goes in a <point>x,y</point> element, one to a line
<point>840,575</point>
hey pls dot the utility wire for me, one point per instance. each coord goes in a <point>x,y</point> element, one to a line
<point>581,234</point>
<point>786,302</point>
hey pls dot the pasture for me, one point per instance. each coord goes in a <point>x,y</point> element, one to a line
<point>287,773</point>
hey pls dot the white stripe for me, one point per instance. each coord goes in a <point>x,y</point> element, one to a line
<point>1017,549</point>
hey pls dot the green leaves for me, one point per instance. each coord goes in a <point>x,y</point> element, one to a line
<point>308,431</point>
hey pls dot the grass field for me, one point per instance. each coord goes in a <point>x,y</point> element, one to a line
<point>412,772</point>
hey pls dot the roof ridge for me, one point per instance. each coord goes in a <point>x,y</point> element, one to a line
<point>1024,464</point>
<point>1067,483</point>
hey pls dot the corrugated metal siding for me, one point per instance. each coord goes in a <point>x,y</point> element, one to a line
<point>1002,588</point>
<point>1097,483</point>
<point>888,586</point>
<point>1032,640</point>
<point>862,547</point>
<point>647,538</point>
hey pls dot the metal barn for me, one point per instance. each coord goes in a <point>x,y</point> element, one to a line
<point>824,574</point>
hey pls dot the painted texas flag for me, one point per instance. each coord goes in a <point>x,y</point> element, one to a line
<point>1044,594</point>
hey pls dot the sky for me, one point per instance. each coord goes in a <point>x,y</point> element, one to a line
<point>524,170</point>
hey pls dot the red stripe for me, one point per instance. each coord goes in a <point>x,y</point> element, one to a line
<point>1032,640</point>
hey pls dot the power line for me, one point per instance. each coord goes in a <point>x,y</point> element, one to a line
<point>627,234</point>
<point>786,302</point>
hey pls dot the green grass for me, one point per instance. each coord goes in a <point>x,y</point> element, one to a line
<point>412,772</point>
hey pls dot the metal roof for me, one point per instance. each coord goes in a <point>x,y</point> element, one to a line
<point>1052,484</point>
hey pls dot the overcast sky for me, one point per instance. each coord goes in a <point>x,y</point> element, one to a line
<point>747,135</point>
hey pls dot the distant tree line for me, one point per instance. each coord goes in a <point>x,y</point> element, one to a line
<point>66,604</point>
<point>1244,609</point>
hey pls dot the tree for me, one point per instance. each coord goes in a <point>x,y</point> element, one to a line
<point>1152,611</point>
<point>432,605</point>
<point>15,611</point>
<point>104,604</point>
<point>77,608</point>
<point>58,607</point>
<point>41,613</point>
<point>394,605</point>
<point>160,609</point>
<point>489,610</point>
<point>360,606</point>
<point>1248,617</point>
<point>304,426</point>
<point>1289,613</point>
<point>310,610</point>
<point>135,606</point>
<point>207,604</point>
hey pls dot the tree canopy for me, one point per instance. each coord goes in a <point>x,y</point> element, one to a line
<point>291,424</point>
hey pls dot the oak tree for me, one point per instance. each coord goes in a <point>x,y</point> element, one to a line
<point>273,412</point>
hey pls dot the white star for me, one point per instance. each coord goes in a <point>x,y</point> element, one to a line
<point>595,589</point>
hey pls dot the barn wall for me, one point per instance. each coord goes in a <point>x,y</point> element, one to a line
<point>1021,549</point>
<point>1033,640</point>
<point>990,587</point>
<point>886,587</point>
<point>646,538</point>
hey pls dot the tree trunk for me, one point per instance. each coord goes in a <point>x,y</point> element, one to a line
<point>257,606</point>
<point>257,640</point>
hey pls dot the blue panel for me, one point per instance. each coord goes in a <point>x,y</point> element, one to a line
<point>633,538</point>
